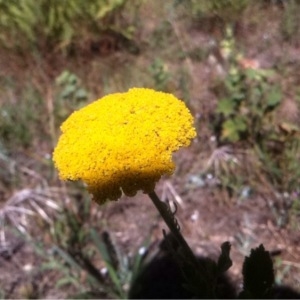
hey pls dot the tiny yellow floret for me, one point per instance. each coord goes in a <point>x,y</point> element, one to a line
<point>123,142</point>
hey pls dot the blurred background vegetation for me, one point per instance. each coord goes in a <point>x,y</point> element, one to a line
<point>235,64</point>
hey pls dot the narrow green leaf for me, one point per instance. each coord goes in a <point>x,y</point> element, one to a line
<point>53,265</point>
<point>100,246</point>
<point>137,261</point>
<point>115,278</point>
<point>108,261</point>
<point>67,281</point>
<point>67,258</point>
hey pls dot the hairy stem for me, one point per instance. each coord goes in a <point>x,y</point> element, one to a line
<point>169,219</point>
<point>198,277</point>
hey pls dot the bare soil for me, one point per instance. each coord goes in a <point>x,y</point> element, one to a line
<point>207,215</point>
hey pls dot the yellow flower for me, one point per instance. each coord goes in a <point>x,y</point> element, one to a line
<point>123,142</point>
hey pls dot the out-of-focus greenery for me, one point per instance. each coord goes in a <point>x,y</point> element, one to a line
<point>30,24</point>
<point>290,21</point>
<point>226,9</point>
<point>247,117</point>
<point>74,253</point>
<point>248,108</point>
<point>19,123</point>
<point>70,95</point>
<point>160,74</point>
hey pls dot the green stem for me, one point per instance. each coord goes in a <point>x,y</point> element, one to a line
<point>171,223</point>
<point>200,269</point>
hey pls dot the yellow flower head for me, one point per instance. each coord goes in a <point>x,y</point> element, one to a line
<point>123,142</point>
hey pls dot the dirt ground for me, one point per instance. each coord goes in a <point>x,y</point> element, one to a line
<point>206,220</point>
<point>207,215</point>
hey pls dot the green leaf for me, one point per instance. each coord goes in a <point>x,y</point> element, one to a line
<point>252,74</point>
<point>68,91</point>
<point>53,265</point>
<point>62,78</point>
<point>67,281</point>
<point>100,246</point>
<point>137,260</point>
<point>240,123</point>
<point>67,258</point>
<point>81,94</point>
<point>110,6</point>
<point>226,107</point>
<point>73,79</point>
<point>232,128</point>
<point>238,96</point>
<point>230,131</point>
<point>274,98</point>
<point>103,250</point>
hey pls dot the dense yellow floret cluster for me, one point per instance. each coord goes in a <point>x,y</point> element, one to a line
<point>123,142</point>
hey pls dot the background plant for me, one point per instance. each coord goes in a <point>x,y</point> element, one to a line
<point>228,10</point>
<point>70,95</point>
<point>160,74</point>
<point>247,116</point>
<point>55,24</point>
<point>83,260</point>
<point>248,110</point>
<point>19,124</point>
<point>290,30</point>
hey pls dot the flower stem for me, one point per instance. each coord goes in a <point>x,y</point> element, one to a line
<point>199,271</point>
<point>173,226</point>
